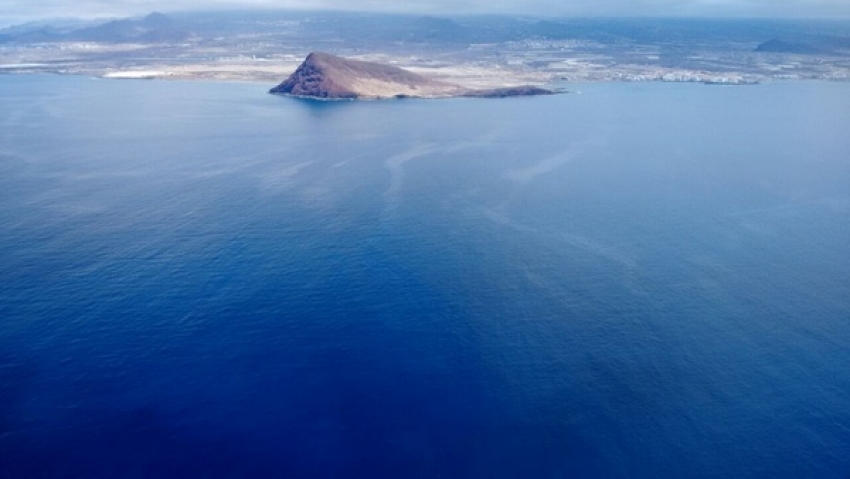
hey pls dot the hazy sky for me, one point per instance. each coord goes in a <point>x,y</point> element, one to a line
<point>13,11</point>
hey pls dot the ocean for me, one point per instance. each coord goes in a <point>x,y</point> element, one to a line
<point>632,280</point>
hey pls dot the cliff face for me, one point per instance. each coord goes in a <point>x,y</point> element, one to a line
<point>322,75</point>
<point>326,76</point>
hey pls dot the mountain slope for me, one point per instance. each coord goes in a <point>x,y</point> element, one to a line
<point>322,75</point>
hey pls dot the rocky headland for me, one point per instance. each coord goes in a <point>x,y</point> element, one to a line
<point>327,76</point>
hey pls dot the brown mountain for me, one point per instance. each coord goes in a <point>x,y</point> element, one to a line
<point>322,75</point>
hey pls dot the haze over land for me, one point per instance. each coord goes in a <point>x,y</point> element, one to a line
<point>476,51</point>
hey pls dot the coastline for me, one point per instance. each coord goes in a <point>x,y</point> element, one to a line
<point>477,78</point>
<point>474,75</point>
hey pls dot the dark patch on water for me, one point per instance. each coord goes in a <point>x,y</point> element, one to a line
<point>17,377</point>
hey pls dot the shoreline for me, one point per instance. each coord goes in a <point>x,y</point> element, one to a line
<point>212,76</point>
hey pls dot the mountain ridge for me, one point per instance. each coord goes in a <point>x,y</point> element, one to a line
<point>325,76</point>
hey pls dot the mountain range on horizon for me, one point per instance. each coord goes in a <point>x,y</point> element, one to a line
<point>157,28</point>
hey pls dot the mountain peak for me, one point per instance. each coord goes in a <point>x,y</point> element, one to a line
<point>156,20</point>
<point>322,75</point>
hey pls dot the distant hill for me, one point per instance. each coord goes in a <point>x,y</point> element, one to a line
<point>154,28</point>
<point>809,45</point>
<point>41,35</point>
<point>782,46</point>
<point>157,20</point>
<point>326,76</point>
<point>109,32</point>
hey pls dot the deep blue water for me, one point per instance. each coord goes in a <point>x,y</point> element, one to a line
<point>637,280</point>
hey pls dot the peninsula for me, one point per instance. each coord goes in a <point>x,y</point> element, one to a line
<point>327,76</point>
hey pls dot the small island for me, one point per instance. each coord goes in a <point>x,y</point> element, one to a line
<point>326,76</point>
